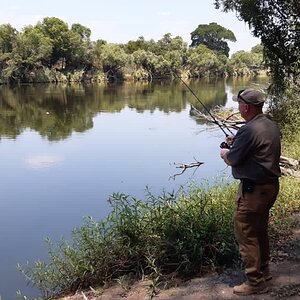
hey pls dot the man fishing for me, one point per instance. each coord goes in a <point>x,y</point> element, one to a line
<point>254,157</point>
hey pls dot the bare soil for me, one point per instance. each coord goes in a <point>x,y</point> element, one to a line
<point>284,285</point>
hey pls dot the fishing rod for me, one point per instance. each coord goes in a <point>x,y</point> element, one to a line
<point>223,144</point>
<point>207,110</point>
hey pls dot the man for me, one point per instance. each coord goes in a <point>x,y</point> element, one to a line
<point>254,157</point>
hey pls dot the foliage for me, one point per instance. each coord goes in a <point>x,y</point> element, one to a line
<point>246,63</point>
<point>38,52</point>
<point>139,44</point>
<point>84,32</point>
<point>179,233</point>
<point>277,23</point>
<point>287,201</point>
<point>113,58</point>
<point>286,111</point>
<point>213,36</point>
<point>203,61</point>
<point>7,38</point>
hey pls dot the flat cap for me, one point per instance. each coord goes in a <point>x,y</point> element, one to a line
<point>250,96</point>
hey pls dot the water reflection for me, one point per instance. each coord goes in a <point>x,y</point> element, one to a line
<point>56,111</point>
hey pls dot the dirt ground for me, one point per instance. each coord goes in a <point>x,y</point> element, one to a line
<point>284,285</point>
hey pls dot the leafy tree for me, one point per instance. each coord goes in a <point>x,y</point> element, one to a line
<point>139,44</point>
<point>113,58</point>
<point>57,31</point>
<point>213,36</point>
<point>84,32</point>
<point>67,45</point>
<point>240,63</point>
<point>277,23</point>
<point>96,51</point>
<point>81,53</point>
<point>31,50</point>
<point>203,61</point>
<point>33,46</point>
<point>167,43</point>
<point>145,59</point>
<point>7,38</point>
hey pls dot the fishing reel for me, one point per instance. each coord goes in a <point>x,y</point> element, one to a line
<point>224,145</point>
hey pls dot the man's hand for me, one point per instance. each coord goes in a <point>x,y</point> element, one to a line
<point>223,154</point>
<point>229,139</point>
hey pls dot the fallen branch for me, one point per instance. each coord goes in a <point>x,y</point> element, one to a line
<point>182,166</point>
<point>232,121</point>
<point>289,166</point>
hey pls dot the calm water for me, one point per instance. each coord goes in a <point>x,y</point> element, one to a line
<point>65,148</point>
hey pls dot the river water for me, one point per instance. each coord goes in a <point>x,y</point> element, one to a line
<point>65,148</point>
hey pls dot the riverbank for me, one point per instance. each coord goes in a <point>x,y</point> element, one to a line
<point>177,242</point>
<point>285,268</point>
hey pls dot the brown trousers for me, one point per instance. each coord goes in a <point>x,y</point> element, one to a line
<point>251,218</point>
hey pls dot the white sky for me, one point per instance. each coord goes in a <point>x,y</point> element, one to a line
<point>119,21</point>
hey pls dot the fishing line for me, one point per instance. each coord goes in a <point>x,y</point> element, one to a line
<point>207,110</point>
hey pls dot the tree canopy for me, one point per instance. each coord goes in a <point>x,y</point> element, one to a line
<point>277,23</point>
<point>213,36</point>
<point>51,51</point>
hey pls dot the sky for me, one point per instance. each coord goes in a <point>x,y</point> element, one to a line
<point>119,21</point>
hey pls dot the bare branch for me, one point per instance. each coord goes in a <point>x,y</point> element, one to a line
<point>184,167</point>
<point>232,121</point>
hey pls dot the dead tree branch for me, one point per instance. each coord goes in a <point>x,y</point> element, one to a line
<point>184,167</point>
<point>233,120</point>
<point>290,166</point>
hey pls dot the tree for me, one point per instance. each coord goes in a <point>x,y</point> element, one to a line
<point>113,58</point>
<point>213,36</point>
<point>139,44</point>
<point>277,23</point>
<point>84,32</point>
<point>7,38</point>
<point>202,61</point>
<point>32,46</point>
<point>31,51</point>
<point>70,48</point>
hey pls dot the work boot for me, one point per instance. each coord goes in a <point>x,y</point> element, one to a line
<point>267,275</point>
<point>247,289</point>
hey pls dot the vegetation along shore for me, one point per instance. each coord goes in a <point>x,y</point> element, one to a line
<point>50,51</point>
